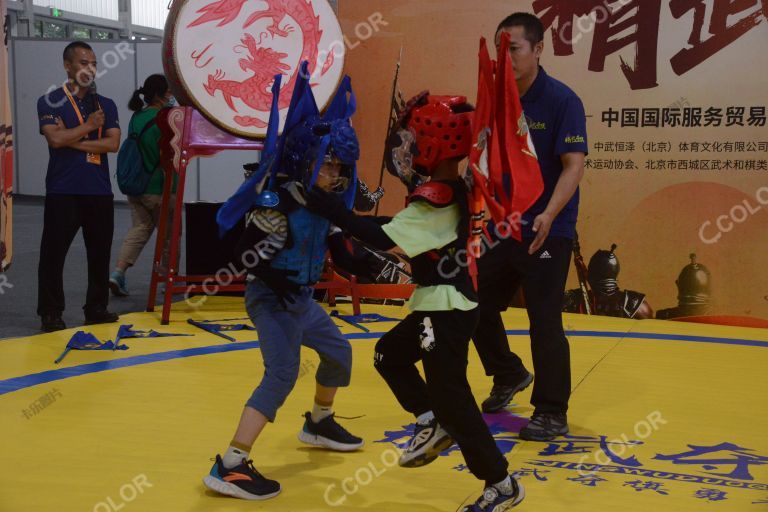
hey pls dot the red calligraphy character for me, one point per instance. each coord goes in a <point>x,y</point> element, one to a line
<point>610,26</point>
<point>721,33</point>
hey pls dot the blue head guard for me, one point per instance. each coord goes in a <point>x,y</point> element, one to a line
<point>306,135</point>
<point>322,138</point>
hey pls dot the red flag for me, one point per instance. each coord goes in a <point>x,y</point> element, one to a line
<point>518,155</point>
<point>503,151</point>
<point>505,171</point>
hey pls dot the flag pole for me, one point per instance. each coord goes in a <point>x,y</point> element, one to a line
<point>390,122</point>
<point>63,355</point>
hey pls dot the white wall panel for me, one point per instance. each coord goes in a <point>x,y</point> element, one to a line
<point>149,13</point>
<point>100,8</point>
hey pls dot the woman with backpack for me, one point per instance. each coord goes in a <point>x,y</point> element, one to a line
<point>144,190</point>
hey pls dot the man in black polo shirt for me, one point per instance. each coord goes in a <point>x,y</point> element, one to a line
<point>80,127</point>
<point>540,263</point>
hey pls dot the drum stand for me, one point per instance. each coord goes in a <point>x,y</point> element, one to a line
<point>185,134</point>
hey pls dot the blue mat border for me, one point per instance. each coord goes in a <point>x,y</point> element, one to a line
<point>34,379</point>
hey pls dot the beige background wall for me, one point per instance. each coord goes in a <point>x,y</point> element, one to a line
<point>655,216</point>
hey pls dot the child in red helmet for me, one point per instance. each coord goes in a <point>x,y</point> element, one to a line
<point>433,136</point>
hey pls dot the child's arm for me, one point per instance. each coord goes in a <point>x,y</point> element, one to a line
<point>329,206</point>
<point>344,257</point>
<point>266,233</point>
<point>418,228</point>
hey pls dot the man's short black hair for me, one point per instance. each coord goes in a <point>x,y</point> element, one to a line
<point>534,29</point>
<point>69,51</point>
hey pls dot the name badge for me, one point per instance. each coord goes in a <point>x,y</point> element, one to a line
<point>93,158</point>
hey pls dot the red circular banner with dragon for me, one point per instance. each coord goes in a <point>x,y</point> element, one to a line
<point>221,56</point>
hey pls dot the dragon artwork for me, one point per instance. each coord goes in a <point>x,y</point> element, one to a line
<point>262,62</point>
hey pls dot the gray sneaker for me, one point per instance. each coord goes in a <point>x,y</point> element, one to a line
<point>545,426</point>
<point>501,395</point>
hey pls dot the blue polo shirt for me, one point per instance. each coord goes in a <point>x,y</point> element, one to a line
<point>558,125</point>
<point>69,171</point>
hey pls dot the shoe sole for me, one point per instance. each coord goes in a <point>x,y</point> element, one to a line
<point>323,442</point>
<point>116,290</point>
<point>428,456</point>
<point>228,489</point>
<point>522,387</point>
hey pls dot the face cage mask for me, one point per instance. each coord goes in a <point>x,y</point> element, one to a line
<point>340,183</point>
<point>401,148</point>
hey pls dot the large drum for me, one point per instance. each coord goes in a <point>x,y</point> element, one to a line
<point>221,56</point>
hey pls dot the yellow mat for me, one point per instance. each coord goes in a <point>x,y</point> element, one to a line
<point>664,416</point>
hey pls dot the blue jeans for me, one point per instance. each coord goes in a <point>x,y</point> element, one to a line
<point>282,331</point>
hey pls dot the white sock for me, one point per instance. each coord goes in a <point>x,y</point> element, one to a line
<point>423,419</point>
<point>320,412</point>
<point>233,457</point>
<point>505,486</point>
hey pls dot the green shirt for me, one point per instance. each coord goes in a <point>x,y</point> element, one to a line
<point>420,228</point>
<point>149,146</point>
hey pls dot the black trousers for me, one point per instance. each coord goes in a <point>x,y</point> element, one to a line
<point>440,339</point>
<point>64,216</point>
<point>502,269</point>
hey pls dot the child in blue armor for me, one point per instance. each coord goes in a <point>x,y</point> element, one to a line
<point>283,249</point>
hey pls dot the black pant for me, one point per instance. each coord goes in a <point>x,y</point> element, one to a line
<point>64,216</point>
<point>443,352</point>
<point>502,269</point>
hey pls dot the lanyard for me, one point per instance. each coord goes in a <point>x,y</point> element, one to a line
<point>76,108</point>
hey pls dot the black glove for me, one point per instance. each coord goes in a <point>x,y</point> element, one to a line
<point>328,205</point>
<point>277,281</point>
<point>365,200</point>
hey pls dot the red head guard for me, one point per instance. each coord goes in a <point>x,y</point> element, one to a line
<point>440,132</point>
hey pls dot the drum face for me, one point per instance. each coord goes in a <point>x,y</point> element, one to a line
<point>221,57</point>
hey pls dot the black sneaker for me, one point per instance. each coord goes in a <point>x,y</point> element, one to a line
<point>502,395</point>
<point>101,316</point>
<point>328,434</point>
<point>52,322</point>
<point>241,481</point>
<point>545,426</point>
<point>425,445</point>
<point>493,500</point>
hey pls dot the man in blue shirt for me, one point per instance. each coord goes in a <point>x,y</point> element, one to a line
<point>80,127</point>
<point>557,124</point>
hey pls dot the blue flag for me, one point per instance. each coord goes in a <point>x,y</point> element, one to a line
<point>82,340</point>
<point>364,318</point>
<point>127,331</point>
<point>243,200</point>
<point>213,328</point>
